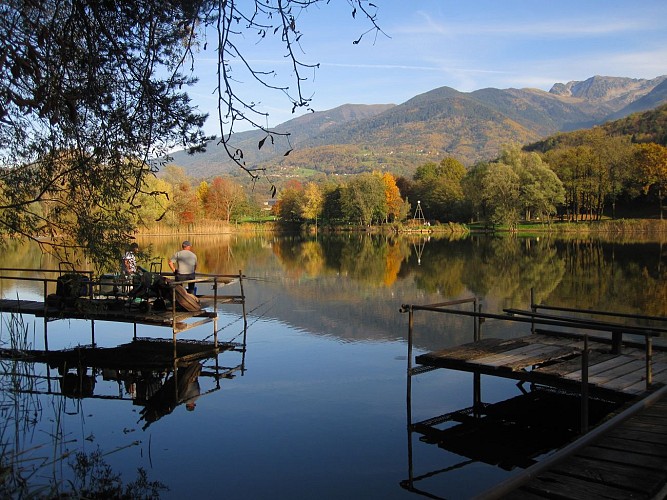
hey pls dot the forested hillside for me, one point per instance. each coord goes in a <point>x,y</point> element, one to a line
<point>470,126</point>
<point>618,169</point>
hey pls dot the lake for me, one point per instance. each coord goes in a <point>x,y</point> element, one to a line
<point>317,406</point>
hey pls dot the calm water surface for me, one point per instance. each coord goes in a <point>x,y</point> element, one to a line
<point>319,408</point>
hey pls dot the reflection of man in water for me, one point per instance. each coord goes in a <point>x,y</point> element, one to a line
<point>191,395</point>
<point>183,388</point>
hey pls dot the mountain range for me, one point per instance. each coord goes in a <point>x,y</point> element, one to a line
<point>469,126</point>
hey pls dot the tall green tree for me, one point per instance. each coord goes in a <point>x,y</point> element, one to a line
<point>501,188</point>
<point>540,189</point>
<point>290,202</point>
<point>438,188</point>
<point>363,200</point>
<point>91,93</point>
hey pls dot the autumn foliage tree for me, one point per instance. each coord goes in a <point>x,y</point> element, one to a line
<point>222,198</point>
<point>651,164</point>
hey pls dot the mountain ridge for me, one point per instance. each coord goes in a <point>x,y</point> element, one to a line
<point>470,126</point>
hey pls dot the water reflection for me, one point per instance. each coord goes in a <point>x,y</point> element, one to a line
<point>576,272</point>
<point>154,373</point>
<point>511,434</point>
<point>324,402</point>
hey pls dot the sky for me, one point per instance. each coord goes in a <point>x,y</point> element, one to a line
<point>463,44</point>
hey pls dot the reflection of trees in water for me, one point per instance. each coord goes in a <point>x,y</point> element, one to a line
<point>504,268</point>
<point>570,271</point>
<point>508,267</point>
<point>441,267</point>
<point>371,259</point>
<point>624,277</point>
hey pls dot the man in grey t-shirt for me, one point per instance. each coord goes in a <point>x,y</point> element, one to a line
<point>184,264</point>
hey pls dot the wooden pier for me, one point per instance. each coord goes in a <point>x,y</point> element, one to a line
<point>109,299</point>
<point>573,352</point>
<point>549,358</point>
<point>163,373</point>
<point>626,457</point>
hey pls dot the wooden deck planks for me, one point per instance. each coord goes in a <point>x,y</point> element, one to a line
<point>550,359</point>
<point>629,461</point>
<point>518,359</point>
<point>616,474</point>
<point>124,315</point>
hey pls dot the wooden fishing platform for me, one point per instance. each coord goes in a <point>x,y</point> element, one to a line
<point>108,298</point>
<point>551,359</point>
<point>101,309</point>
<point>572,352</point>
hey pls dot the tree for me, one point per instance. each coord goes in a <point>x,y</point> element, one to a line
<point>569,164</point>
<point>363,199</point>
<point>500,193</point>
<point>472,185</point>
<point>154,203</point>
<point>313,202</point>
<point>438,188</point>
<point>92,92</point>
<point>540,189</point>
<point>223,197</point>
<point>397,208</point>
<point>184,205</point>
<point>290,202</point>
<point>651,161</point>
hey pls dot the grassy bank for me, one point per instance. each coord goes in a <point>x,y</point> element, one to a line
<point>607,227</point>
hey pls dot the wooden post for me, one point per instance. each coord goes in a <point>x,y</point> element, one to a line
<point>616,341</point>
<point>480,320</point>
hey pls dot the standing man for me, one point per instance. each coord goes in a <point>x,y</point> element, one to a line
<point>184,264</point>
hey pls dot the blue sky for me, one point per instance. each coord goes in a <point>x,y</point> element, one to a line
<point>463,44</point>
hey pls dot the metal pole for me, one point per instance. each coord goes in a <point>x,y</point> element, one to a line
<point>173,315</point>
<point>649,361</point>
<point>584,387</point>
<point>408,397</point>
<point>475,323</point>
<point>533,308</point>
<point>46,318</point>
<point>215,312</point>
<point>245,319</point>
